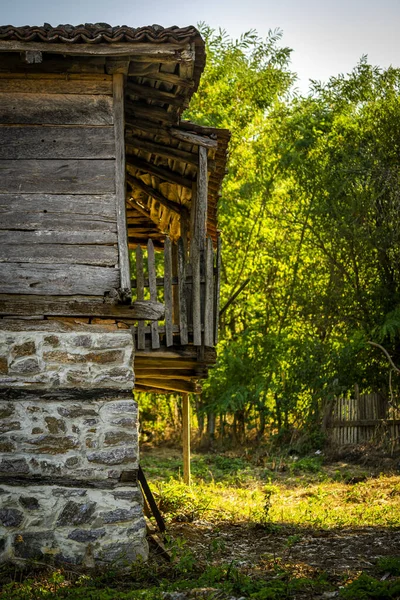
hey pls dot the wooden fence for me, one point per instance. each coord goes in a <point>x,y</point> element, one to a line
<point>366,418</point>
<point>189,289</point>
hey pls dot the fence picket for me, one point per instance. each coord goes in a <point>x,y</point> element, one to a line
<point>217,290</point>
<point>181,293</point>
<point>196,303</point>
<point>151,262</point>
<point>169,340</point>
<point>208,303</point>
<point>140,295</point>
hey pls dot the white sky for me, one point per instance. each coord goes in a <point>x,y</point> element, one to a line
<point>327,36</point>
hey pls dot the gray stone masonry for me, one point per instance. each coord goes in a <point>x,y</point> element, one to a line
<point>68,444</point>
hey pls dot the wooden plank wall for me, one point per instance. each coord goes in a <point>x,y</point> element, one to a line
<point>58,219</point>
<point>364,419</point>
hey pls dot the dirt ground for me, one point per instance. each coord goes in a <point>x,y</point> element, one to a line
<point>335,551</point>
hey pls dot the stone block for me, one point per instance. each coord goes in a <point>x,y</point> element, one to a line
<point>121,552</point>
<point>52,340</point>
<point>132,495</point>
<point>76,514</point>
<point>6,445</point>
<point>34,545</point>
<point>53,444</point>
<point>121,406</point>
<point>119,438</point>
<point>62,357</point>
<point>72,462</point>
<point>25,366</point>
<point>7,425</point>
<point>68,492</point>
<point>6,410</point>
<point>82,341</point>
<point>14,466</point>
<point>55,425</point>
<point>3,365</point>
<point>25,349</point>
<point>86,535</point>
<point>29,502</point>
<point>11,517</point>
<point>117,456</point>
<point>121,514</point>
<point>78,410</point>
<point>125,422</point>
<point>103,357</point>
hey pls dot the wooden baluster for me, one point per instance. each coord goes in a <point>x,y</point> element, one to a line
<point>217,290</point>
<point>175,289</point>
<point>169,339</point>
<point>208,302</point>
<point>182,293</point>
<point>196,303</point>
<point>140,296</point>
<point>151,261</point>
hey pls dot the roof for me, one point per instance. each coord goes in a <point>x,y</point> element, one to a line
<point>94,33</point>
<point>161,149</point>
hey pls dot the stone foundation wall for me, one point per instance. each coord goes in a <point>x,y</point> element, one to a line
<point>68,444</point>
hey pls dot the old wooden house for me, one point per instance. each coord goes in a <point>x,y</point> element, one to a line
<point>109,273</point>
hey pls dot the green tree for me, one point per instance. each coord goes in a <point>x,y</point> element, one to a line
<point>310,233</point>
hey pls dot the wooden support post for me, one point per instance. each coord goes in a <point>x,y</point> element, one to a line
<point>120,187</point>
<point>186,437</point>
<point>201,200</point>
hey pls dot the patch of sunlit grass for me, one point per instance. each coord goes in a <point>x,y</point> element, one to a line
<point>310,501</point>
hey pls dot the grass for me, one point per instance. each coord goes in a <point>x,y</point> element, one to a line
<point>239,530</point>
<point>303,494</point>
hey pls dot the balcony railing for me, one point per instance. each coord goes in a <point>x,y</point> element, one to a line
<point>187,282</point>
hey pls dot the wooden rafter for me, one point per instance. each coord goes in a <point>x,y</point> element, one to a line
<point>161,172</point>
<point>134,182</point>
<point>162,150</point>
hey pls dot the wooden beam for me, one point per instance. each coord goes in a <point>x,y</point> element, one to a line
<point>56,142</point>
<point>171,385</point>
<point>161,172</point>
<point>55,109</point>
<point>170,52</point>
<point>169,152</point>
<point>178,352</point>
<point>193,138</point>
<point>146,91</point>
<point>46,85</point>
<point>156,373</point>
<point>120,187</point>
<point>154,74</point>
<point>186,437</point>
<point>201,200</point>
<point>148,111</point>
<point>134,182</point>
<point>150,499</point>
<point>78,306</point>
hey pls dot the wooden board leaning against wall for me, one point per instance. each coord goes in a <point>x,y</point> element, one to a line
<point>62,189</point>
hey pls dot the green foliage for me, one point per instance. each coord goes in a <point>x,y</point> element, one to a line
<point>306,465</point>
<point>367,587</point>
<point>309,218</point>
<point>389,564</point>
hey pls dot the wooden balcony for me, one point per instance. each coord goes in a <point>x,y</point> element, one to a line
<point>172,355</point>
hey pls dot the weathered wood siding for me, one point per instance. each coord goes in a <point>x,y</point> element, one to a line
<point>58,211</point>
